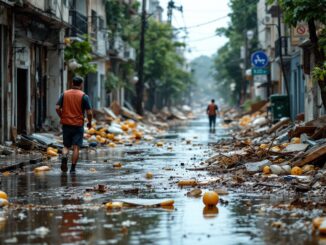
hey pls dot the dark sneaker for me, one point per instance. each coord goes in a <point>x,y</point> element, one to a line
<point>73,169</point>
<point>64,164</point>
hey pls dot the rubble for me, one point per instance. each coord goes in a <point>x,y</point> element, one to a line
<point>261,156</point>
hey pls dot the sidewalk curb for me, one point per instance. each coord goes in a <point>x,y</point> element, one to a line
<point>21,164</point>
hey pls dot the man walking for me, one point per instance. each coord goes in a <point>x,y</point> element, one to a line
<point>71,108</point>
<point>212,112</point>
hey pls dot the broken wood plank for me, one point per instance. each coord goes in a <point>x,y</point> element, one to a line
<point>311,156</point>
<point>279,125</point>
<point>298,130</point>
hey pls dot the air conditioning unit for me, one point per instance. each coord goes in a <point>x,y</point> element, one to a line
<point>268,20</point>
<point>51,6</point>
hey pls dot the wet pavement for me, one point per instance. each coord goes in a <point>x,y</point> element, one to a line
<point>51,208</point>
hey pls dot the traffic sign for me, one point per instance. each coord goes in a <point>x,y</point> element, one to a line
<point>259,71</point>
<point>259,59</point>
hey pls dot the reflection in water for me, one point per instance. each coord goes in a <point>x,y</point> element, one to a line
<point>73,219</point>
<point>210,211</point>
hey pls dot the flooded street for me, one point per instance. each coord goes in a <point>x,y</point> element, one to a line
<point>51,208</point>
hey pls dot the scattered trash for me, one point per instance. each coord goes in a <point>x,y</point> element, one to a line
<point>194,193</point>
<point>189,182</point>
<point>117,165</point>
<point>149,175</point>
<point>41,231</point>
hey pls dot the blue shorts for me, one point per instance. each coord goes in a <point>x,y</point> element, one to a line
<point>72,135</point>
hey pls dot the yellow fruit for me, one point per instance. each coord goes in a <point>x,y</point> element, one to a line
<point>125,127</point>
<point>296,171</point>
<point>91,131</point>
<point>188,182</point>
<point>138,135</point>
<point>51,153</point>
<point>132,124</point>
<point>103,134</point>
<point>276,149</point>
<point>317,222</point>
<point>6,173</point>
<point>210,198</point>
<point>42,169</point>
<point>149,175</point>
<point>110,136</point>
<point>266,170</point>
<point>285,145</point>
<point>117,165</point>
<point>295,140</point>
<point>264,146</point>
<point>3,195</point>
<point>3,202</point>
<point>111,144</point>
<point>111,205</point>
<point>167,203</point>
<point>53,149</point>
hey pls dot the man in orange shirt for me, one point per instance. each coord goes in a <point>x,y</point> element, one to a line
<point>212,112</point>
<point>71,108</point>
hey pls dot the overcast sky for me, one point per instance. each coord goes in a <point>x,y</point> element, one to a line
<point>201,40</point>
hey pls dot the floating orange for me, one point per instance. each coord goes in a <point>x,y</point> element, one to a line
<point>210,198</point>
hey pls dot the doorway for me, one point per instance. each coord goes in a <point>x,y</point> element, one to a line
<point>21,100</point>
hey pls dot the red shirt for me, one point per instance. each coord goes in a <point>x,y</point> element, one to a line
<point>211,109</point>
<point>72,111</point>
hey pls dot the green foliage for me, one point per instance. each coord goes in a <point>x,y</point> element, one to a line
<point>163,63</point>
<point>81,51</point>
<point>226,63</point>
<point>112,82</point>
<point>319,73</point>
<point>121,20</point>
<point>303,10</point>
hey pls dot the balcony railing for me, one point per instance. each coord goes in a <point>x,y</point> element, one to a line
<point>285,44</point>
<point>78,23</point>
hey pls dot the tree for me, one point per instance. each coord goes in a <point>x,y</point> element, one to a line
<point>164,67</point>
<point>312,12</point>
<point>227,60</point>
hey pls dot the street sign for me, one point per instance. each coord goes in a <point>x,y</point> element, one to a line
<point>260,71</point>
<point>259,59</point>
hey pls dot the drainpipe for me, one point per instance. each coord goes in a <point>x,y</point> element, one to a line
<point>281,55</point>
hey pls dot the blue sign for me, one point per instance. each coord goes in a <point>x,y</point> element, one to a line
<point>259,59</point>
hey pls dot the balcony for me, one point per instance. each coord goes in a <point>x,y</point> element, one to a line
<point>78,23</point>
<point>285,42</point>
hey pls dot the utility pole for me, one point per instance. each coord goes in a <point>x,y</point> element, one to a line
<point>172,6</point>
<point>140,83</point>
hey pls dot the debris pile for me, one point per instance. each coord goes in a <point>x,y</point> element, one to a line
<point>264,156</point>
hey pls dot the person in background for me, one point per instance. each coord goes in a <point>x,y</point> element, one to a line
<point>212,110</point>
<point>71,108</point>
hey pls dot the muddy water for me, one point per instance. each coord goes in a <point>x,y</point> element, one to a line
<point>52,208</point>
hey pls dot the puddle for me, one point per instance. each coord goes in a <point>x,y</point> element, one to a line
<point>61,204</point>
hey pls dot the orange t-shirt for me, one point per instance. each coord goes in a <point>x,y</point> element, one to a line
<point>72,111</point>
